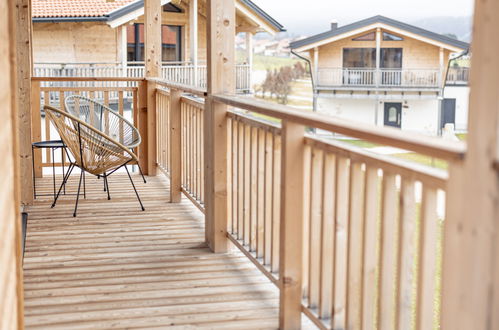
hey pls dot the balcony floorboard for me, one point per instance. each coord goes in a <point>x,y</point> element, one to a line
<point>114,266</point>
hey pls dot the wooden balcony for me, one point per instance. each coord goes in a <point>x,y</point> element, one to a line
<point>118,267</point>
<point>248,223</point>
<point>383,79</point>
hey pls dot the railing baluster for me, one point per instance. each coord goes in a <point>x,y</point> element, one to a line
<point>341,253</point>
<point>407,256</point>
<point>370,261</point>
<point>260,239</point>
<point>427,260</point>
<point>355,247</point>
<point>388,258</point>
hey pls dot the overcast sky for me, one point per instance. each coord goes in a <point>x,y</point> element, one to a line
<point>316,13</point>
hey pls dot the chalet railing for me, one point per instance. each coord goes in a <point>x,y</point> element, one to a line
<point>48,91</point>
<point>402,78</point>
<point>458,76</point>
<point>365,231</point>
<point>178,72</point>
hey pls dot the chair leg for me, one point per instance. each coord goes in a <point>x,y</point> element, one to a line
<point>63,184</point>
<point>136,193</point>
<point>106,187</point>
<point>140,170</point>
<point>78,194</point>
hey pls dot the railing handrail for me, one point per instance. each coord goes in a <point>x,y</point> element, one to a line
<point>185,88</point>
<point>381,69</point>
<point>426,145</point>
<point>86,79</point>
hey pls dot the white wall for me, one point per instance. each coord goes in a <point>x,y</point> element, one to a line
<point>417,115</point>
<point>461,94</point>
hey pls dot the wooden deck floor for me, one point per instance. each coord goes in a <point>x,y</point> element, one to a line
<point>115,266</point>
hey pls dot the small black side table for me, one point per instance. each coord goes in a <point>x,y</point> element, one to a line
<point>53,145</point>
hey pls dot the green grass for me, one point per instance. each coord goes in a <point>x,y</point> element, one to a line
<point>262,62</point>
<point>361,143</point>
<point>422,159</point>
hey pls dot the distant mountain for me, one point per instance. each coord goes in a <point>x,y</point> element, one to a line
<point>459,26</point>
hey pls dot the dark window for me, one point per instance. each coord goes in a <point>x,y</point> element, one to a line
<point>359,57</point>
<point>366,37</point>
<point>171,43</point>
<point>391,58</point>
<point>171,8</point>
<point>391,37</point>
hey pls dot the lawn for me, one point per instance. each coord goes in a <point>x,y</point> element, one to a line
<point>262,62</point>
<point>422,159</point>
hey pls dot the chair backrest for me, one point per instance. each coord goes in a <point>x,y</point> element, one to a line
<point>94,151</point>
<point>103,119</point>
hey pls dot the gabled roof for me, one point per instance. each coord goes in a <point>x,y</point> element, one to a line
<point>329,36</point>
<point>109,11</point>
<point>75,8</point>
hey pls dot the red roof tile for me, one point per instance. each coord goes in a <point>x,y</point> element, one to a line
<point>76,8</point>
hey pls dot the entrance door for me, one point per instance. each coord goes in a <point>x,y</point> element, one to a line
<point>393,114</point>
<point>448,112</point>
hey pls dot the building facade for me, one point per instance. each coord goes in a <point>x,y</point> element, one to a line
<point>383,71</point>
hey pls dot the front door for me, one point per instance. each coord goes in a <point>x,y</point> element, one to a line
<point>448,112</point>
<point>393,114</point>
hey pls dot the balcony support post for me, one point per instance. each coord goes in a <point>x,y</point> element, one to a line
<point>249,59</point>
<point>193,32</point>
<point>152,26</point>
<point>142,126</point>
<point>470,285</point>
<point>175,146</point>
<point>221,30</point>
<point>291,225</point>
<point>24,55</point>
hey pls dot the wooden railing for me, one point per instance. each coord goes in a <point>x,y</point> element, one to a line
<point>348,77</point>
<point>180,72</point>
<point>458,76</point>
<point>124,100</point>
<point>352,239</point>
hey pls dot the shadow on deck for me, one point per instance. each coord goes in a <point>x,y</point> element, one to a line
<point>115,266</point>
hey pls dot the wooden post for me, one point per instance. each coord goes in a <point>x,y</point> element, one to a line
<point>291,225</point>
<point>221,29</point>
<point>152,26</point>
<point>142,115</point>
<point>11,272</point>
<point>193,33</point>
<point>470,275</point>
<point>249,58</point>
<point>36,128</point>
<point>24,71</point>
<point>175,146</point>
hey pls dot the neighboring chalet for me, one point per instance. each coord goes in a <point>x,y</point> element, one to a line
<point>97,33</point>
<point>379,70</point>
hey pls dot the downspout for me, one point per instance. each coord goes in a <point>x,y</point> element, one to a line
<point>314,107</point>
<point>442,90</point>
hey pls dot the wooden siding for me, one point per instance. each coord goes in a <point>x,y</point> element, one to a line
<point>117,267</point>
<point>10,260</point>
<point>416,54</point>
<point>98,42</point>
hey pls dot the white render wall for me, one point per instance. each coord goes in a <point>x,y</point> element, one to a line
<point>417,115</point>
<point>462,95</point>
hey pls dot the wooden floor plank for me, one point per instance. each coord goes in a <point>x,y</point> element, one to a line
<point>114,266</point>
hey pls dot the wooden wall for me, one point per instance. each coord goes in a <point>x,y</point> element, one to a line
<point>416,54</point>
<point>11,297</point>
<point>98,42</point>
<point>74,42</point>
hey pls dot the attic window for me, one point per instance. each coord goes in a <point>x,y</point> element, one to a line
<point>171,8</point>
<point>391,37</point>
<point>366,37</point>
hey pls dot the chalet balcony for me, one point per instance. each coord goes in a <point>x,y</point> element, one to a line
<point>177,72</point>
<point>383,79</point>
<point>458,76</point>
<point>250,220</point>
